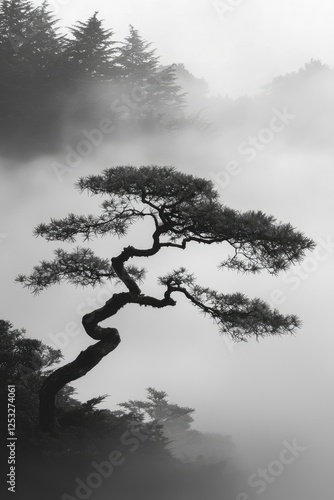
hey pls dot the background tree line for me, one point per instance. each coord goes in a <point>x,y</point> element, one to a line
<point>48,79</point>
<point>54,85</point>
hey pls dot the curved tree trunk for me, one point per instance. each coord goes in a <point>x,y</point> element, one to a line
<point>108,339</point>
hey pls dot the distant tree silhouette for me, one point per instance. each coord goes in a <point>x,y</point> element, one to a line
<point>32,73</point>
<point>136,61</point>
<point>91,51</point>
<point>165,100</point>
<point>172,417</point>
<point>160,97</point>
<point>16,72</point>
<point>24,362</point>
<point>45,46</point>
<point>50,81</point>
<point>29,39</point>
<point>15,27</point>
<point>182,209</point>
<point>176,422</point>
<point>294,81</point>
<point>197,88</point>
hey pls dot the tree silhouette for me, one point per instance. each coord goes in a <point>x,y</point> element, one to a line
<point>164,100</point>
<point>176,422</point>
<point>91,50</point>
<point>136,61</point>
<point>32,70</point>
<point>182,209</point>
<point>29,39</point>
<point>172,417</point>
<point>138,69</point>
<point>45,46</point>
<point>15,28</point>
<point>52,82</point>
<point>24,362</point>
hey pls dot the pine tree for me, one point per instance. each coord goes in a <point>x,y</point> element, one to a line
<point>165,101</point>
<point>44,46</point>
<point>28,36</point>
<point>183,209</point>
<point>24,362</point>
<point>136,62</point>
<point>165,87</point>
<point>138,69</point>
<point>15,27</point>
<point>14,33</point>
<point>15,70</point>
<point>172,417</point>
<point>90,52</point>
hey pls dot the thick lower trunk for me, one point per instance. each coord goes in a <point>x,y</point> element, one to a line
<point>72,371</point>
<point>108,340</point>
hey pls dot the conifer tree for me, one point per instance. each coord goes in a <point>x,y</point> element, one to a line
<point>24,362</point>
<point>15,28</point>
<point>136,62</point>
<point>90,52</point>
<point>45,45</point>
<point>138,69</point>
<point>170,416</point>
<point>182,210</point>
<point>165,101</point>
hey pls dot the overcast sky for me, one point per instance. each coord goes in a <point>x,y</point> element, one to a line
<point>261,394</point>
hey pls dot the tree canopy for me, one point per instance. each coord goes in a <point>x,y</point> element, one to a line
<point>24,362</point>
<point>136,61</point>
<point>180,209</point>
